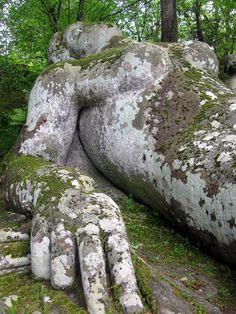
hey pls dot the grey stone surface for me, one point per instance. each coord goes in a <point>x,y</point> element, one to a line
<point>179,290</point>
<point>80,40</point>
<point>201,56</point>
<point>156,123</point>
<point>6,303</point>
<point>95,221</point>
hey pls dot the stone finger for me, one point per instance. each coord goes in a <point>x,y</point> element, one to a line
<point>92,266</point>
<point>14,255</point>
<point>62,257</point>
<point>9,235</point>
<point>120,264</point>
<point>40,248</point>
<point>15,270</point>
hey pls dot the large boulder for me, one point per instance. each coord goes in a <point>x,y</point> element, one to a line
<point>154,121</point>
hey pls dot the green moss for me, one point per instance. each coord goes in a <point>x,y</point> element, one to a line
<point>195,81</point>
<point>193,74</point>
<point>10,219</point>
<point>31,293</point>
<point>117,291</point>
<point>109,55</point>
<point>196,307</point>
<point>176,51</point>
<point>188,134</point>
<point>204,111</point>
<point>201,120</point>
<point>165,45</point>
<point>60,36</point>
<point>15,249</point>
<point>73,228</point>
<point>200,309</point>
<point>37,170</point>
<point>144,277</point>
<point>88,23</point>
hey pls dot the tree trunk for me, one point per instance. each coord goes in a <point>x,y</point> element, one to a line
<point>53,13</point>
<point>168,21</point>
<point>197,11</point>
<point>81,10</point>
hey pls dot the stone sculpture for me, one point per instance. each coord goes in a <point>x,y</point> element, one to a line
<point>156,121</point>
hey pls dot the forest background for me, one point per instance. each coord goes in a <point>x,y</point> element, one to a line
<point>26,27</point>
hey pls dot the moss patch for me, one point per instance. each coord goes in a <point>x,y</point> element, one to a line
<point>117,294</point>
<point>22,169</point>
<point>31,293</point>
<point>108,55</point>
<point>10,219</point>
<point>144,277</point>
<point>15,249</point>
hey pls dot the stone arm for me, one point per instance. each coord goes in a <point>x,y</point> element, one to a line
<point>65,89</point>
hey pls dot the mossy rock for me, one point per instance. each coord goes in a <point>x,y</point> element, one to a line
<point>109,55</point>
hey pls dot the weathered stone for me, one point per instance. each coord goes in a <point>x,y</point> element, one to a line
<point>14,257</point>
<point>201,56</point>
<point>80,40</point>
<point>8,235</point>
<point>174,296</point>
<point>155,122</point>
<point>7,302</point>
<point>65,200</point>
<point>62,257</point>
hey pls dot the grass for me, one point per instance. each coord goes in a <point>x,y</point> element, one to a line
<point>15,249</point>
<point>156,242</point>
<point>8,220</point>
<point>110,55</point>
<point>31,293</point>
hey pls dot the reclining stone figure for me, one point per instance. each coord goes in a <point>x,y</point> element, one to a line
<point>155,121</point>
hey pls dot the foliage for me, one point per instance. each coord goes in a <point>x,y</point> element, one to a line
<point>31,32</point>
<point>10,124</point>
<point>31,23</point>
<point>217,20</point>
<point>16,80</point>
<point>16,76</point>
